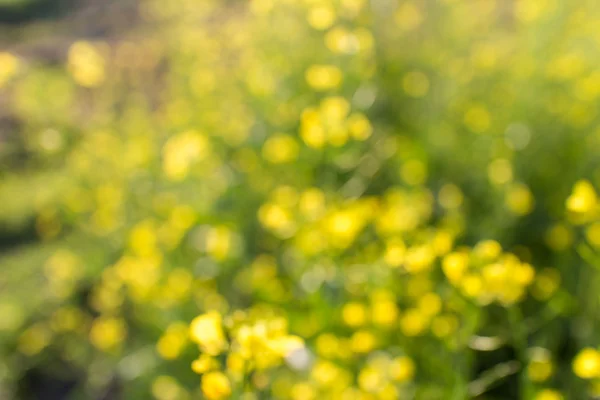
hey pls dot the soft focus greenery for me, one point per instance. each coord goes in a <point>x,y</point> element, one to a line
<point>306,199</point>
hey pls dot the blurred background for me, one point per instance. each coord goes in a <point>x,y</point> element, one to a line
<point>299,199</point>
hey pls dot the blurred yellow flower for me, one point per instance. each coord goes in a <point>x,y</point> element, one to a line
<point>477,118</point>
<point>86,64</point>
<point>586,364</point>
<point>9,65</point>
<point>323,77</point>
<point>548,394</point>
<point>519,199</point>
<point>107,332</point>
<point>321,16</point>
<point>583,200</point>
<point>402,369</point>
<point>181,151</point>
<point>216,385</point>
<point>207,331</point>
<point>279,149</point>
<point>408,16</point>
<point>354,314</point>
<point>171,344</point>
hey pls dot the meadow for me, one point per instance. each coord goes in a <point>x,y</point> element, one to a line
<point>303,200</point>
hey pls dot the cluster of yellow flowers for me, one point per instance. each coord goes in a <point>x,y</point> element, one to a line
<point>486,274</point>
<point>290,200</point>
<point>251,345</point>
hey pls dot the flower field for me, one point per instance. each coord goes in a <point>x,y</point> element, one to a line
<point>305,200</point>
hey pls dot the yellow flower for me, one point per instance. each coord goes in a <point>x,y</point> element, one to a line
<point>171,344</point>
<point>343,226</point>
<point>450,196</point>
<point>359,126</point>
<point>487,250</point>
<point>107,332</point>
<point>34,339</point>
<point>354,314</point>
<point>280,149</point>
<point>323,77</point>
<point>455,265</point>
<point>546,283</point>
<point>216,386</point>
<point>312,203</point>
<point>384,309</point>
<point>218,242</point>
<point>540,367</point>
<point>204,364</point>
<point>321,17</point>
<point>583,199</point>
<point>363,342</point>
<point>402,369</point>
<point>548,394</point>
<point>408,16</point>
<point>413,322</point>
<point>181,151</point>
<point>560,237</point>
<point>207,331</point>
<point>9,66</point>
<point>285,345</point>
<point>166,388</point>
<point>587,363</point>
<point>477,119</point>
<point>86,64</point>
<point>519,199</point>
<point>370,379</point>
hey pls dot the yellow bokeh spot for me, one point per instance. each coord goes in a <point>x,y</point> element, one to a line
<point>166,388</point>
<point>312,130</point>
<point>548,394</point>
<point>592,233</point>
<point>86,64</point>
<point>9,66</point>
<point>519,199</point>
<point>586,364</point>
<point>450,196</point>
<point>216,386</point>
<point>540,370</point>
<point>414,172</point>
<point>363,342</point>
<point>321,16</point>
<point>455,265</point>
<point>413,322</point>
<point>279,149</point>
<point>181,151</point>
<point>559,237</point>
<point>219,242</point>
<point>359,126</point>
<point>354,314</point>
<point>500,171</point>
<point>107,332</point>
<point>531,10</point>
<point>171,344</point>
<point>583,199</point>
<point>394,252</point>
<point>408,16</point>
<point>323,77</point>
<point>402,369</point>
<point>478,119</point>
<point>207,331</point>
<point>34,339</point>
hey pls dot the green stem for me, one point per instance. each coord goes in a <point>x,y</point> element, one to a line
<point>526,389</point>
